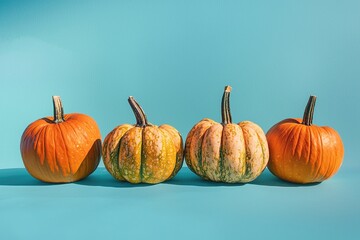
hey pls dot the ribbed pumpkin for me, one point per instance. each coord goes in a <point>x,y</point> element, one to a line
<point>226,152</point>
<point>63,148</point>
<point>143,152</point>
<point>302,152</point>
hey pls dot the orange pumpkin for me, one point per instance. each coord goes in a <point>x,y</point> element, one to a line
<point>63,148</point>
<point>226,152</point>
<point>302,152</point>
<point>143,152</point>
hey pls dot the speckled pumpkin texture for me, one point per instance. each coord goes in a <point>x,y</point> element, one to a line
<point>143,152</point>
<point>226,152</point>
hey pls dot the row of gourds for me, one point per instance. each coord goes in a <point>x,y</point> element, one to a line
<point>67,148</point>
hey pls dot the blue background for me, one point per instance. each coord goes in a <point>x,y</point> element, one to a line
<point>175,57</point>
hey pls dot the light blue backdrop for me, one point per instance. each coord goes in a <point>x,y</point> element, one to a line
<point>175,57</point>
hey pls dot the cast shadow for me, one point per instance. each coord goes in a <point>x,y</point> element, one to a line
<point>102,178</point>
<point>188,178</point>
<point>268,179</point>
<point>18,177</point>
<point>185,178</point>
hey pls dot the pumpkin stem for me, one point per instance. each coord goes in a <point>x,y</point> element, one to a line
<point>58,110</point>
<point>225,106</point>
<point>309,111</point>
<point>140,116</point>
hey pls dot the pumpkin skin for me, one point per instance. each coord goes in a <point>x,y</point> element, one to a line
<point>143,153</point>
<point>63,148</point>
<point>226,152</point>
<point>301,152</point>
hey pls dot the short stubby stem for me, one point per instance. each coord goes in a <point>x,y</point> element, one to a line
<point>309,111</point>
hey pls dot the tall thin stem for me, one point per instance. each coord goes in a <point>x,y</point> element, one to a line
<point>309,111</point>
<point>58,110</point>
<point>139,113</point>
<point>225,106</point>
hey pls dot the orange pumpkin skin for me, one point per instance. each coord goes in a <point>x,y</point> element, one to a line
<point>227,152</point>
<point>61,152</point>
<point>302,153</point>
<point>143,152</point>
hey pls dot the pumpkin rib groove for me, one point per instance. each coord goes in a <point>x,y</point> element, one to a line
<point>200,154</point>
<point>64,145</point>
<point>197,142</point>
<point>210,153</point>
<point>60,130</point>
<point>119,171</point>
<point>296,143</point>
<point>142,158</point>
<point>191,141</point>
<point>193,159</point>
<point>261,138</point>
<point>264,162</point>
<point>173,133</point>
<point>37,140</point>
<point>221,159</point>
<point>54,155</point>
<point>318,158</point>
<point>117,153</point>
<point>115,161</point>
<point>298,132</point>
<point>170,149</point>
<point>244,172</point>
<point>42,144</point>
<point>284,149</point>
<point>44,148</point>
<point>309,152</point>
<point>111,150</point>
<point>39,160</point>
<point>250,140</point>
<point>243,156</point>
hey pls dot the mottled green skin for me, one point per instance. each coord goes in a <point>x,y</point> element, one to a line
<point>147,154</point>
<point>226,152</point>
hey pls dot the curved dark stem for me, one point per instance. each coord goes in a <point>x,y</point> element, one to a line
<point>309,111</point>
<point>139,113</point>
<point>58,110</point>
<point>225,106</point>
